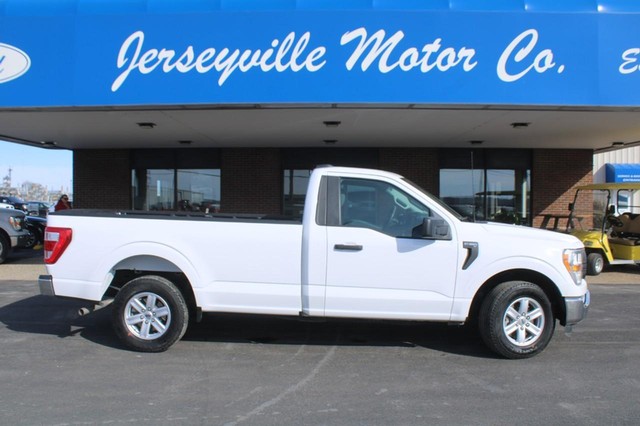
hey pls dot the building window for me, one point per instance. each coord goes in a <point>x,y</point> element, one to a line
<point>176,189</point>
<point>487,185</point>
<point>295,191</point>
<point>199,190</point>
<point>176,179</point>
<point>461,189</point>
<point>297,164</point>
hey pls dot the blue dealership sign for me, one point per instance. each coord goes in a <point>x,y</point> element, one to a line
<point>622,172</point>
<point>80,55</point>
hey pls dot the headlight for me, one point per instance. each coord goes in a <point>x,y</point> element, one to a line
<point>16,222</point>
<point>575,262</point>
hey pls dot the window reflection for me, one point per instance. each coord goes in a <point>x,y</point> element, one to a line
<point>507,196</point>
<point>461,189</point>
<point>199,190</point>
<point>153,189</point>
<point>176,189</point>
<point>295,191</point>
<point>500,195</point>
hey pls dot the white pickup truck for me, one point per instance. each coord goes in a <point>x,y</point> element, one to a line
<point>370,245</point>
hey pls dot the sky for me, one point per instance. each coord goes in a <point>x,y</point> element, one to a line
<point>49,167</point>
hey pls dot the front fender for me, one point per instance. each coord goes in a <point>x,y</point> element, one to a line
<point>475,277</point>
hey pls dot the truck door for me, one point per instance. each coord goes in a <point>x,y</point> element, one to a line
<point>377,264</point>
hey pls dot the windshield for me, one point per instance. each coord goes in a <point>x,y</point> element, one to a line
<point>589,209</point>
<point>592,206</point>
<point>436,200</point>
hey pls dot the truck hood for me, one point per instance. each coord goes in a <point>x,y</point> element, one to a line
<point>516,234</point>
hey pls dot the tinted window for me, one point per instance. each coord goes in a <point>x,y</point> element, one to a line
<point>380,206</point>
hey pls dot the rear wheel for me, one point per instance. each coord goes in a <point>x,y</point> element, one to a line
<point>595,263</point>
<point>150,314</point>
<point>516,320</point>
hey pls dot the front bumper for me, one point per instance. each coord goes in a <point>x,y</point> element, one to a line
<point>19,241</point>
<point>45,282</point>
<point>576,309</point>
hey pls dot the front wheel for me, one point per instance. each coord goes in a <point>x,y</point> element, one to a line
<point>33,237</point>
<point>516,320</point>
<point>595,263</point>
<point>5,248</point>
<point>150,314</point>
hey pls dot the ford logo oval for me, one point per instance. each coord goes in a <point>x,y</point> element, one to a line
<point>13,63</point>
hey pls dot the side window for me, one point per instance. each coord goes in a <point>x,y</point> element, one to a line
<point>624,196</point>
<point>379,206</point>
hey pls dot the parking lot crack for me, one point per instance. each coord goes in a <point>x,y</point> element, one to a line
<point>290,390</point>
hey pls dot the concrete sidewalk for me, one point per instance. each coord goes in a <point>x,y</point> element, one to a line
<point>27,265</point>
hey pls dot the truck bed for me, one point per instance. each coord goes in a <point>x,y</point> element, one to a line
<point>178,215</point>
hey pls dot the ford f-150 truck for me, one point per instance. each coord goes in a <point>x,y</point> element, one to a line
<point>371,244</point>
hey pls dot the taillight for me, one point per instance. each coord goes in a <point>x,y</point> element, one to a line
<point>56,241</point>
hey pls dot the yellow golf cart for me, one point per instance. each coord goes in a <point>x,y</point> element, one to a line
<point>606,219</point>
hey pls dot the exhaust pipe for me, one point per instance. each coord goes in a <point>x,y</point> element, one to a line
<point>85,311</point>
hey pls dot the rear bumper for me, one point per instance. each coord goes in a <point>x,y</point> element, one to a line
<point>45,282</point>
<point>72,289</point>
<point>576,309</point>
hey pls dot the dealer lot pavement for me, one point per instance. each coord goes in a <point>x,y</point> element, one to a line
<point>60,369</point>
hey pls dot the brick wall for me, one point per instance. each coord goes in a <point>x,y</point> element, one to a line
<point>252,177</point>
<point>555,174</point>
<point>420,165</point>
<point>251,181</point>
<point>101,179</point>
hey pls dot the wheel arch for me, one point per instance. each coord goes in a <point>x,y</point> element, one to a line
<point>596,250</point>
<point>534,277</point>
<point>4,234</point>
<point>148,265</point>
<point>591,246</point>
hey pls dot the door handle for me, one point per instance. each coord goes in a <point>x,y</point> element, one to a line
<point>350,247</point>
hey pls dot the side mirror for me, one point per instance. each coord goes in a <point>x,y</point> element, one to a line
<point>430,228</point>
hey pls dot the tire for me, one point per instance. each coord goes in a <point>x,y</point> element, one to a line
<point>505,330</point>
<point>150,314</point>
<point>595,263</point>
<point>5,248</point>
<point>33,238</point>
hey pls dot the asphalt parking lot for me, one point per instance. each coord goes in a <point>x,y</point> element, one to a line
<point>60,369</point>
